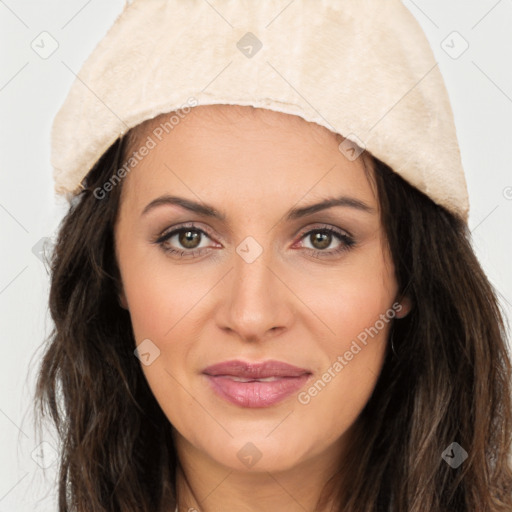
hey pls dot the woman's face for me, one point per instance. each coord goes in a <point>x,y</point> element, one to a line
<point>253,287</point>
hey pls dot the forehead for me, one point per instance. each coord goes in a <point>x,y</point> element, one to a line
<point>229,117</point>
<point>245,148</point>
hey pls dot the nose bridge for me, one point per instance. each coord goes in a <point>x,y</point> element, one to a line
<point>251,267</point>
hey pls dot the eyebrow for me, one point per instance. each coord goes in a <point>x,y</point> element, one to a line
<point>295,213</point>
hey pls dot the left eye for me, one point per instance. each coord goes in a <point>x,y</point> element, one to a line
<point>321,238</point>
<point>190,239</point>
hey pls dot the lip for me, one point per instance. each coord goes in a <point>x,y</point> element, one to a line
<point>238,382</point>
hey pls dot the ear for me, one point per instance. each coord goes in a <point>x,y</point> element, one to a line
<point>405,306</point>
<point>122,299</point>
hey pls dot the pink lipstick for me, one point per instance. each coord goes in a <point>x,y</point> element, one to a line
<point>255,384</point>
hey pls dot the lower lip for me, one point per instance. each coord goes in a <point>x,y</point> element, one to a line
<point>256,394</point>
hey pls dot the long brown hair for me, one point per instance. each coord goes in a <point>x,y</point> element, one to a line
<point>447,380</point>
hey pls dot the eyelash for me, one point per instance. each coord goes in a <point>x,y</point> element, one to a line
<point>347,242</point>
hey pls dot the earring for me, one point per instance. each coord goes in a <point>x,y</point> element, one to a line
<point>391,342</point>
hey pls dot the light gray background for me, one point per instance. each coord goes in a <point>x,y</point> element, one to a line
<point>32,89</point>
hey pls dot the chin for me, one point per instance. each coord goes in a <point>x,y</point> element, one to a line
<point>261,453</point>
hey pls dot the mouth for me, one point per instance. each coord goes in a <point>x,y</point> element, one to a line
<point>255,385</point>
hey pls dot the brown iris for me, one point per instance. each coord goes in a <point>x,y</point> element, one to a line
<point>323,238</point>
<point>189,239</point>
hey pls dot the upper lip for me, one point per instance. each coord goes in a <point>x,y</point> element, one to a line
<point>262,370</point>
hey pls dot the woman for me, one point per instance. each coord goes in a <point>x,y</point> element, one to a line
<point>253,312</point>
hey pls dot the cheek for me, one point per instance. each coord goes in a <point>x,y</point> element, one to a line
<point>354,298</point>
<point>159,293</point>
<point>358,310</point>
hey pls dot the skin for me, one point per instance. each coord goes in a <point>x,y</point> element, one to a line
<point>254,165</point>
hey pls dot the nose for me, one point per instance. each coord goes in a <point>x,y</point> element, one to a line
<point>257,303</point>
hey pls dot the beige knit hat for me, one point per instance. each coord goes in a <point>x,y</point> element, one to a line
<point>360,68</point>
